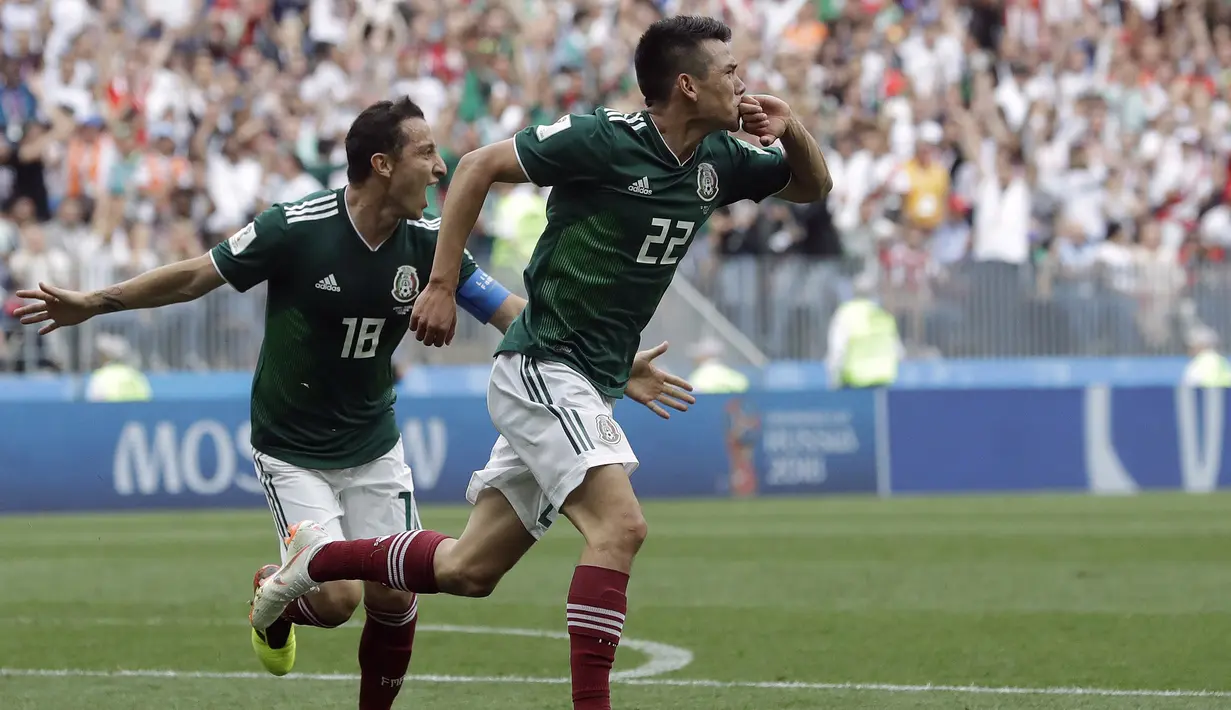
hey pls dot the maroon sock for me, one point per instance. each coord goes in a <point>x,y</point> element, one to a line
<point>403,561</point>
<point>596,608</point>
<point>299,612</point>
<point>384,655</point>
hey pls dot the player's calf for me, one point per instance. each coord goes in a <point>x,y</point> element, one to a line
<point>607,513</point>
<point>386,644</point>
<point>428,562</point>
<point>330,606</point>
<point>493,541</point>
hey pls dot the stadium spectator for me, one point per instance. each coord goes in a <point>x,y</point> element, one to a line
<point>975,138</point>
<point>710,373</point>
<point>116,379</point>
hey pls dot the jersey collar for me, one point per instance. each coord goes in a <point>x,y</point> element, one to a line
<point>662,143</point>
<point>355,230</point>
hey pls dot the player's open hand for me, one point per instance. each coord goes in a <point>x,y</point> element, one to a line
<point>764,117</point>
<point>654,387</point>
<point>57,307</point>
<point>434,317</point>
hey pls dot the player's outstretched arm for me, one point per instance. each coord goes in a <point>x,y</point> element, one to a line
<point>434,318</point>
<point>770,118</point>
<point>174,283</point>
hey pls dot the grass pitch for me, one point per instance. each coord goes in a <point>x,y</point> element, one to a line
<point>1036,602</point>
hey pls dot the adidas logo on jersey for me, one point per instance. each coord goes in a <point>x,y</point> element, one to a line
<point>329,283</point>
<point>641,187</point>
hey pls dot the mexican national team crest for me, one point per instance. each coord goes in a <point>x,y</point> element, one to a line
<point>607,429</point>
<point>707,182</point>
<point>405,284</point>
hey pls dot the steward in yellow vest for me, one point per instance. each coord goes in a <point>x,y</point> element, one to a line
<point>864,347</point>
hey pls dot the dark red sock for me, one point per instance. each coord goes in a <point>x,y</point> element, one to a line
<point>384,655</point>
<point>299,612</point>
<point>403,561</point>
<point>595,611</point>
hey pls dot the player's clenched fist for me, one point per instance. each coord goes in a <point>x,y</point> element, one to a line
<point>434,318</point>
<point>764,116</point>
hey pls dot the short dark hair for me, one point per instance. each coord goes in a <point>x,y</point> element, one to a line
<point>671,47</point>
<point>377,130</point>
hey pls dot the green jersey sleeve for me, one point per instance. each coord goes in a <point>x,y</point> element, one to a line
<point>755,172</point>
<point>572,149</point>
<point>469,266</point>
<point>254,253</point>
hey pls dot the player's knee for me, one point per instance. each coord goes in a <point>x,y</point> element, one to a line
<point>620,533</point>
<point>336,602</point>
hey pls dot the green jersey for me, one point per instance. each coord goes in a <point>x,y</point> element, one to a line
<point>336,309</point>
<point>622,213</point>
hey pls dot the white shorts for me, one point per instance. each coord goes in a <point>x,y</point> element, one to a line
<point>373,499</point>
<point>554,427</point>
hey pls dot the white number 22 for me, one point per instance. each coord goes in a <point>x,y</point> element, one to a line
<point>664,227</point>
<point>369,337</point>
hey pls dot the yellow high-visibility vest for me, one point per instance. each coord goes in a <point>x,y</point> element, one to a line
<point>1209,369</point>
<point>117,382</point>
<point>716,377</point>
<point>871,357</point>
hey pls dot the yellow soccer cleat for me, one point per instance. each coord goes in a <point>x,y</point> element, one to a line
<point>278,661</point>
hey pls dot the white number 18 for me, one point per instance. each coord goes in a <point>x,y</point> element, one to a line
<point>369,337</point>
<point>664,227</point>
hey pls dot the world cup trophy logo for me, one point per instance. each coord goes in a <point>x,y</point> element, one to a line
<point>743,425</point>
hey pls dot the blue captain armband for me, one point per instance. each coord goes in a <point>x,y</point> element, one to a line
<point>481,295</point>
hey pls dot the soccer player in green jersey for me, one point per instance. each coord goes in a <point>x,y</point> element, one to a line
<point>629,194</point>
<point>343,268</point>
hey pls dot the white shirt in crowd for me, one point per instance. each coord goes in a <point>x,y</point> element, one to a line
<point>233,187</point>
<point>1002,215</point>
<point>283,190</point>
<point>173,14</point>
<point>52,265</point>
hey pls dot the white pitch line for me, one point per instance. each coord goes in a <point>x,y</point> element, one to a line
<point>681,683</point>
<point>661,658</point>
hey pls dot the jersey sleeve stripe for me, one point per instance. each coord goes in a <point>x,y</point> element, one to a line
<point>310,210</point>
<point>522,165</point>
<point>299,206</point>
<point>635,121</point>
<point>214,260</point>
<point>314,217</point>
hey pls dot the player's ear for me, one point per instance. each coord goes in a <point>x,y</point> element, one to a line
<point>687,86</point>
<point>382,165</point>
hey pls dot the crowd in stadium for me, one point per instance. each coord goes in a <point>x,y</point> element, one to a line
<point>1013,177</point>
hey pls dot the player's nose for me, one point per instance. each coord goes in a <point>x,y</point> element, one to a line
<point>440,170</point>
